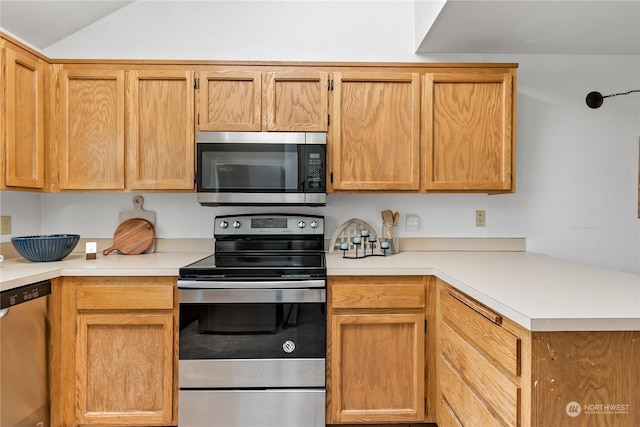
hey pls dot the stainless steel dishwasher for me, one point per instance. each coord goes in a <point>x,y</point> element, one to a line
<point>24,338</point>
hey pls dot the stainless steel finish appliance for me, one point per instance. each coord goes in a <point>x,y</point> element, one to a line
<point>261,168</point>
<point>24,332</point>
<point>253,325</point>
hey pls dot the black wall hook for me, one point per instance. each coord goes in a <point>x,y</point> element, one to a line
<point>595,99</point>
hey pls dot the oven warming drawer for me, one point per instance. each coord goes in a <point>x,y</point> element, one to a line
<point>251,373</point>
<point>252,408</point>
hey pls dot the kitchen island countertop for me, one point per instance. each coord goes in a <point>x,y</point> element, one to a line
<point>539,292</point>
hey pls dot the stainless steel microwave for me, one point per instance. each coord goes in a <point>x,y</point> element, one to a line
<point>261,168</point>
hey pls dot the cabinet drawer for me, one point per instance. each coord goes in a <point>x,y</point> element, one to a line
<point>125,297</point>
<point>377,294</point>
<point>490,385</point>
<point>469,409</point>
<point>479,325</point>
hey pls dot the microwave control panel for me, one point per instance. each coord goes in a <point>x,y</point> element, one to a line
<point>315,167</point>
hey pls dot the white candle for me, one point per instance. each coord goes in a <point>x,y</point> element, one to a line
<point>364,233</point>
<point>384,245</point>
<point>372,238</point>
<point>356,240</point>
<point>344,246</point>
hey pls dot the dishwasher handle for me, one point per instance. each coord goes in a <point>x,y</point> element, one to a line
<point>4,312</point>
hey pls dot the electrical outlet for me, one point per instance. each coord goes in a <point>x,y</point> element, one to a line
<point>481,218</point>
<point>5,225</point>
<point>413,222</point>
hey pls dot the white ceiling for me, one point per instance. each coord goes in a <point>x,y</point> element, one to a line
<point>536,27</point>
<point>463,26</point>
<point>42,23</point>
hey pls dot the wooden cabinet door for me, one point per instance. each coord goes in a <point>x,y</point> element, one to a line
<point>123,358</point>
<point>376,349</point>
<point>376,131</point>
<point>113,351</point>
<point>469,131</point>
<point>230,100</point>
<point>24,126</point>
<point>377,368</point>
<point>479,364</point>
<point>91,150</point>
<point>161,141</point>
<point>296,101</point>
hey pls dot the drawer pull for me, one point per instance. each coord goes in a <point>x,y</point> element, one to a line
<point>475,305</point>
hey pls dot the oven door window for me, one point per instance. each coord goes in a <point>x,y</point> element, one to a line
<point>248,167</point>
<point>252,330</point>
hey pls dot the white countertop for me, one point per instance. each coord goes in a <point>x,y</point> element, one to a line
<point>540,293</point>
<point>16,272</point>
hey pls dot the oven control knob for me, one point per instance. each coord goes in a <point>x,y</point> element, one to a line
<point>288,346</point>
<point>313,224</point>
<point>236,224</point>
<point>223,224</point>
<point>301,224</point>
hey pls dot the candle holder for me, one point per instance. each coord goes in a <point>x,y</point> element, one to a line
<point>362,240</point>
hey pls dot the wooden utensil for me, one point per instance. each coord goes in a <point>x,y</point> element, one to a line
<point>138,212</point>
<point>132,237</point>
<point>387,217</point>
<point>389,220</point>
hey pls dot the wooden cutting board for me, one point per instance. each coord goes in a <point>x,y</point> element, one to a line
<point>132,237</point>
<point>138,212</point>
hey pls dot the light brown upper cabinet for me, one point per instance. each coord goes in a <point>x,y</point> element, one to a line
<point>161,143</point>
<point>375,143</point>
<point>23,119</point>
<point>91,130</point>
<point>229,100</point>
<point>296,101</point>
<point>126,130</point>
<point>244,100</point>
<point>469,131</point>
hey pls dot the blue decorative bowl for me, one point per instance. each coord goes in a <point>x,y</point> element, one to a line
<point>45,248</point>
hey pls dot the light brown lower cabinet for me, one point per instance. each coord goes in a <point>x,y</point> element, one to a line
<point>479,366</point>
<point>493,372</point>
<point>376,348</point>
<point>114,353</point>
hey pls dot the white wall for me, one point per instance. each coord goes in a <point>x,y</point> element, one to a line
<point>577,168</point>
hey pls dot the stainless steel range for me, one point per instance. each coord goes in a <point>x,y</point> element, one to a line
<point>253,325</point>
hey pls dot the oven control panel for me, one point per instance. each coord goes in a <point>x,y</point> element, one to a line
<point>269,224</point>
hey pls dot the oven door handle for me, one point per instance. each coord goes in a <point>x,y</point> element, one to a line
<point>244,284</point>
<point>199,296</point>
